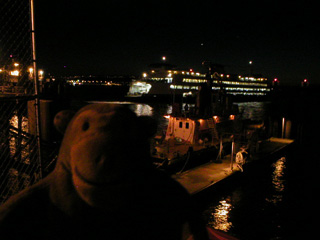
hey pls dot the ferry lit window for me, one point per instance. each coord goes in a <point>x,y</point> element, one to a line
<point>187,125</point>
<point>180,124</point>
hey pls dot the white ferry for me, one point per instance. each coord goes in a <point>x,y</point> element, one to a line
<point>166,80</point>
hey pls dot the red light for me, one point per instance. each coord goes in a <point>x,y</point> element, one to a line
<point>275,80</point>
<point>191,70</point>
<point>305,80</point>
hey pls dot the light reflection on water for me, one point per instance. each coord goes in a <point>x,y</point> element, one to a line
<point>14,142</point>
<point>229,209</point>
<point>278,173</point>
<point>20,149</point>
<point>278,181</point>
<point>14,121</point>
<point>253,110</point>
<point>220,215</point>
<point>142,109</point>
<point>157,111</point>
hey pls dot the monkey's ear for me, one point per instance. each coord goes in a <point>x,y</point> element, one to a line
<point>62,119</point>
<point>148,126</point>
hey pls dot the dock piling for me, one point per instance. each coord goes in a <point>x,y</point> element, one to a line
<point>232,153</point>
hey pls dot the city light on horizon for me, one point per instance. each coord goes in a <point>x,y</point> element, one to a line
<point>15,73</point>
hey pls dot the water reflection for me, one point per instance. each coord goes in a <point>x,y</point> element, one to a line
<point>220,215</point>
<point>156,111</point>
<point>253,110</point>
<point>16,141</point>
<point>278,173</point>
<point>278,181</point>
<point>14,121</point>
<point>139,108</point>
<point>142,109</point>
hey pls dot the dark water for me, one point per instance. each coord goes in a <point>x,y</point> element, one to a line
<point>271,202</point>
<point>260,205</point>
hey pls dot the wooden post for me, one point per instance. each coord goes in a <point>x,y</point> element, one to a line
<point>231,157</point>
<point>283,127</point>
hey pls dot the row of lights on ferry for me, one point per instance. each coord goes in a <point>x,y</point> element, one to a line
<point>222,75</point>
<point>170,74</point>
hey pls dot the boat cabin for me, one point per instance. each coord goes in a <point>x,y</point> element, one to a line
<point>192,131</point>
<point>184,135</point>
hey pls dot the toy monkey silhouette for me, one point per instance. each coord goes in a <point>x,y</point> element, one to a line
<point>103,185</point>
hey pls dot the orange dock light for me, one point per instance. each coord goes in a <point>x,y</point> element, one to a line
<point>216,119</point>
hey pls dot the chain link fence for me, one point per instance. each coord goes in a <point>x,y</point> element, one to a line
<point>19,146</point>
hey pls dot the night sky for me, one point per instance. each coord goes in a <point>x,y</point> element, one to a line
<point>124,37</point>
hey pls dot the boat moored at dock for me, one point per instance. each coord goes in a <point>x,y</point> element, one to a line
<point>186,136</point>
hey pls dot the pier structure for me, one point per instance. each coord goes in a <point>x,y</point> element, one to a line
<point>208,175</point>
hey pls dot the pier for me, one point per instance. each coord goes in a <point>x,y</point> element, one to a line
<point>207,175</point>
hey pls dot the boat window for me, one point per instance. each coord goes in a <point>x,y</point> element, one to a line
<point>180,124</point>
<point>187,125</point>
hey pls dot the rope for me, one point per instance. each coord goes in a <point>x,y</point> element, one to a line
<point>187,160</point>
